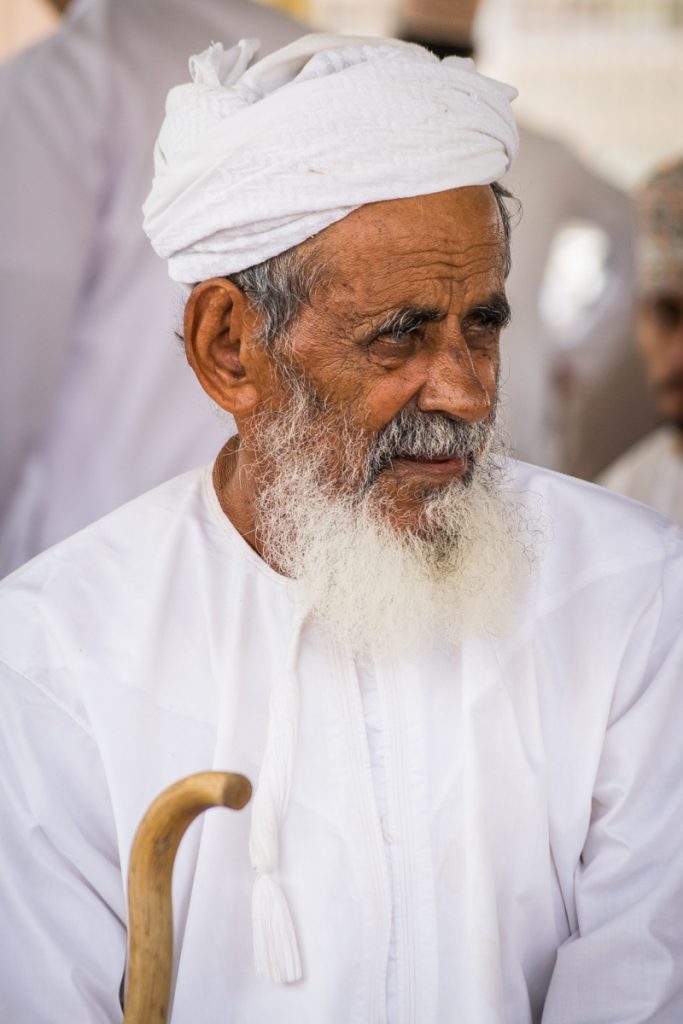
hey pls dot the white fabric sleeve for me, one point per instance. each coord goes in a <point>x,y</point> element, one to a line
<point>49,197</point>
<point>61,895</point>
<point>624,964</point>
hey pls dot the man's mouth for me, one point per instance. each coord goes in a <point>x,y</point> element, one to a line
<point>441,468</point>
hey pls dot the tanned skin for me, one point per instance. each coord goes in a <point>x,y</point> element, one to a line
<point>409,315</point>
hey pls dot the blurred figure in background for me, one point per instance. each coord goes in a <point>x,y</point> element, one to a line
<point>82,297</point>
<point>554,383</point>
<point>652,471</point>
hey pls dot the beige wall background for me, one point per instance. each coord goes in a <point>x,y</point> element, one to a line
<point>604,75</point>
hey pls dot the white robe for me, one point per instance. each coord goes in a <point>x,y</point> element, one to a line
<point>96,403</point>
<point>652,472</point>
<point>472,836</point>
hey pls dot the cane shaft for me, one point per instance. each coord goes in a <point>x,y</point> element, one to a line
<point>150,912</point>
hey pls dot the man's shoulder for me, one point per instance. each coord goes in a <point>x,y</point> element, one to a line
<point>129,533</point>
<point>123,561</point>
<point>126,596</point>
<point>592,530</point>
<point>131,537</point>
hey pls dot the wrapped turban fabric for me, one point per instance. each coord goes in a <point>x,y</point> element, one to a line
<point>660,232</point>
<point>254,158</point>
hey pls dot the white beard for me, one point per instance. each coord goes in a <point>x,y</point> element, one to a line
<point>373,585</point>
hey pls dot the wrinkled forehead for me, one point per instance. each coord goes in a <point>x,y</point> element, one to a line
<point>445,243</point>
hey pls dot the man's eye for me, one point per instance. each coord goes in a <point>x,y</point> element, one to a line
<point>667,311</point>
<point>402,336</point>
<point>484,332</point>
<point>398,343</point>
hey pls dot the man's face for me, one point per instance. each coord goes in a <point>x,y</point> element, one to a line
<point>660,336</point>
<point>367,451</point>
<point>408,323</point>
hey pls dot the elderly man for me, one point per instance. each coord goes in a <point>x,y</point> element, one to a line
<point>652,471</point>
<point>454,680</point>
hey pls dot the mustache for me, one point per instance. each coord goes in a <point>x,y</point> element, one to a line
<point>426,435</point>
<point>671,383</point>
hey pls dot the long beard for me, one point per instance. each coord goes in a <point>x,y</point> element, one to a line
<point>322,520</point>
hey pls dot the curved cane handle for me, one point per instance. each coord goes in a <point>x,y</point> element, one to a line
<point>150,911</point>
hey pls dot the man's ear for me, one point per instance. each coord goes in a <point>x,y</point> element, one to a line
<point>219,328</point>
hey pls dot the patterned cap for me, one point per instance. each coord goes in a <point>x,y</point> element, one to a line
<point>660,231</point>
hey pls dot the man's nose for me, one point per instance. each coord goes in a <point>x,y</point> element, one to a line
<point>453,386</point>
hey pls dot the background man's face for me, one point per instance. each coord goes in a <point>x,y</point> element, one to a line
<point>410,320</point>
<point>660,335</point>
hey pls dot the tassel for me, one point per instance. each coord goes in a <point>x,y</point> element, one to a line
<point>276,951</point>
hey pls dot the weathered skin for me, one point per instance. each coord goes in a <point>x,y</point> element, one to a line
<point>444,253</point>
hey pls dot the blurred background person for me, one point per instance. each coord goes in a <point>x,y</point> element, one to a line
<point>84,303</point>
<point>552,364</point>
<point>25,22</point>
<point>652,470</point>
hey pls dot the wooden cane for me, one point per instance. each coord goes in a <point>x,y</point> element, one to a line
<point>150,911</point>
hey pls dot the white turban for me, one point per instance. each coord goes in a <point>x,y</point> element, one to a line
<point>254,158</point>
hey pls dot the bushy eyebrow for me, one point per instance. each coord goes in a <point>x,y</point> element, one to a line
<point>409,318</point>
<point>493,310</point>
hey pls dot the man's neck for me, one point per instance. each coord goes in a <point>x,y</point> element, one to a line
<point>233,480</point>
